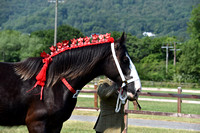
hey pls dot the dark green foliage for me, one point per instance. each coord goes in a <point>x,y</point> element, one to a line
<point>15,46</point>
<point>194,24</point>
<point>149,57</point>
<point>162,17</point>
<point>64,32</point>
<point>189,68</point>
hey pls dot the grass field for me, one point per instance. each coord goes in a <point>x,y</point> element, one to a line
<point>87,127</point>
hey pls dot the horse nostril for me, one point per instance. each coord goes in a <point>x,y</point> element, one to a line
<point>139,90</point>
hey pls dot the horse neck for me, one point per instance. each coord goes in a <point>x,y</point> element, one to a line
<point>80,66</point>
<point>79,83</point>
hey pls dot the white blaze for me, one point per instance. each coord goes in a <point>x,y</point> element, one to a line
<point>134,75</point>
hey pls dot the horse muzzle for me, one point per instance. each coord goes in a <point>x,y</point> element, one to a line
<point>132,97</point>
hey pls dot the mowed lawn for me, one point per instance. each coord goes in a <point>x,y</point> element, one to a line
<point>87,127</point>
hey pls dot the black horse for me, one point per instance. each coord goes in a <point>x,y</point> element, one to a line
<point>78,66</point>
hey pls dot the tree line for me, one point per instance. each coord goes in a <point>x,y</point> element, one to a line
<point>147,53</point>
<point>162,17</point>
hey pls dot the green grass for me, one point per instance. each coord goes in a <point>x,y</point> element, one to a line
<point>150,106</point>
<point>15,129</point>
<point>87,127</point>
<point>168,107</point>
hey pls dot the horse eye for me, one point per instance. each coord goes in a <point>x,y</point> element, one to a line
<point>126,60</point>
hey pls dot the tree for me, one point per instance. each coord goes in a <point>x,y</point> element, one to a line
<point>15,46</point>
<point>65,32</point>
<point>162,17</point>
<point>194,24</point>
<point>190,62</point>
<point>189,65</point>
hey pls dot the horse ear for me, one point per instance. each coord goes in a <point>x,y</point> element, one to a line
<point>121,40</point>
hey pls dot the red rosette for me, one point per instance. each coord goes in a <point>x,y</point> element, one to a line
<point>44,54</point>
<point>111,40</point>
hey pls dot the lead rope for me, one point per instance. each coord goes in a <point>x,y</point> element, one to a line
<point>121,99</point>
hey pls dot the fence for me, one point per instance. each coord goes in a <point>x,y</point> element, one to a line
<point>135,111</point>
<point>178,96</point>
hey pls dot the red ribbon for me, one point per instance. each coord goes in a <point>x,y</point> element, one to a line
<point>41,77</point>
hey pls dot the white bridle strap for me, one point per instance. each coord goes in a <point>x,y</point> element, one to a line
<point>117,64</point>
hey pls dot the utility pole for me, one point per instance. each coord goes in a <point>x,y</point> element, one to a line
<point>167,54</point>
<point>55,30</point>
<point>56,18</point>
<point>174,53</point>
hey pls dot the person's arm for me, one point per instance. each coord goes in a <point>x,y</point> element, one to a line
<point>105,90</point>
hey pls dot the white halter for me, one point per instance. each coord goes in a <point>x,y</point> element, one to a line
<point>134,74</point>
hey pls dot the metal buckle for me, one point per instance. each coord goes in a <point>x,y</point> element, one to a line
<point>76,94</point>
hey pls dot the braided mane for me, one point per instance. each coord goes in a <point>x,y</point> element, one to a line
<point>69,62</point>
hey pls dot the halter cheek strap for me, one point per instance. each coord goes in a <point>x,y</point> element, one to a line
<point>68,85</point>
<point>75,92</point>
<point>118,66</point>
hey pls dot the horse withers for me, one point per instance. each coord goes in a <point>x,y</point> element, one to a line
<point>44,103</point>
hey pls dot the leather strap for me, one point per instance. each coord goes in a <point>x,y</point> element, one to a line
<point>68,85</point>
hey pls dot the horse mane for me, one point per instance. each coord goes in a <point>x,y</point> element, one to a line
<point>69,64</point>
<point>28,68</point>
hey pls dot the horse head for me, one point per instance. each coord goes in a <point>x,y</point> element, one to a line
<point>121,69</point>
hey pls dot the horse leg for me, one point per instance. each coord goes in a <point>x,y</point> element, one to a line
<point>36,127</point>
<point>36,118</point>
<point>56,128</point>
